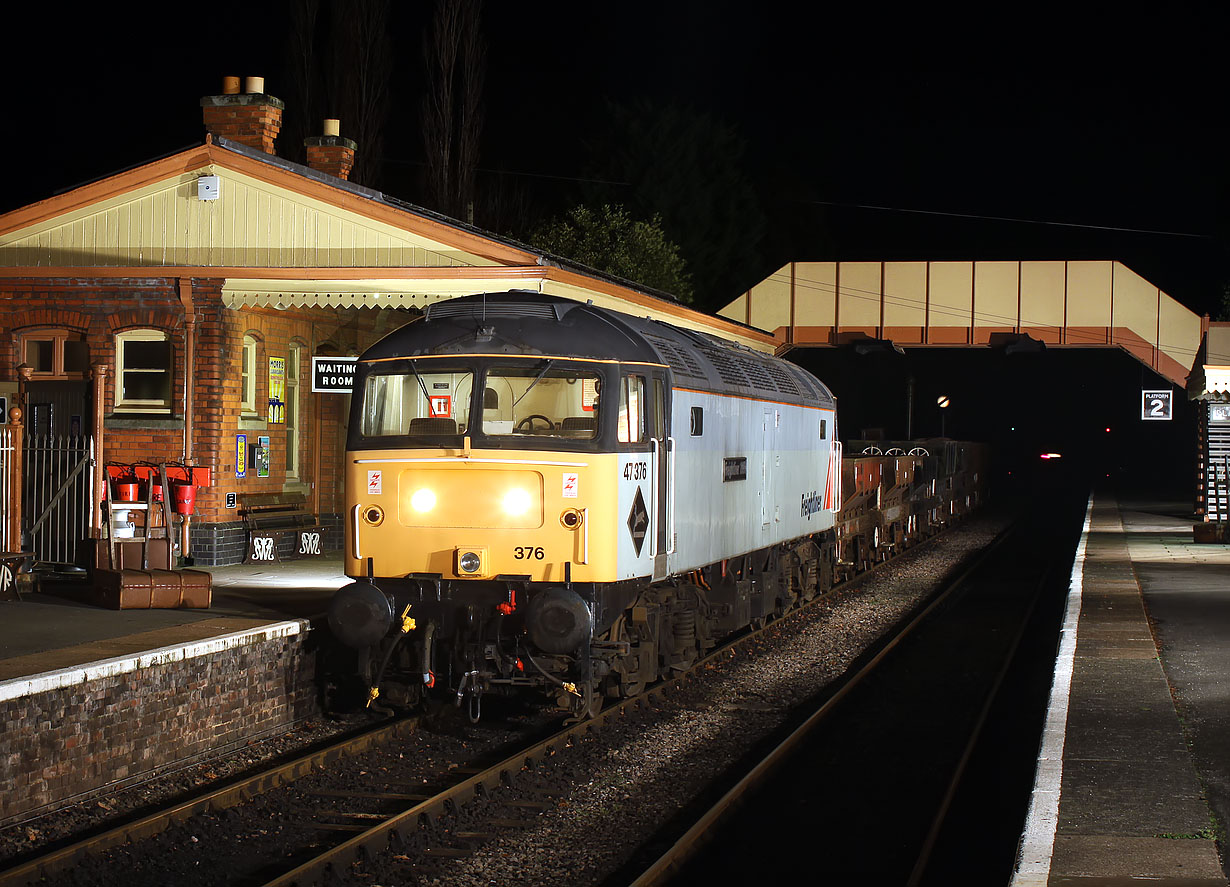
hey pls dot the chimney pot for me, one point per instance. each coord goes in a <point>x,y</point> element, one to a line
<point>332,126</point>
<point>230,86</point>
<point>253,119</point>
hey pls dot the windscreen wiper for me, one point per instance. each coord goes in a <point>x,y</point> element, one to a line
<point>422,384</point>
<point>537,379</point>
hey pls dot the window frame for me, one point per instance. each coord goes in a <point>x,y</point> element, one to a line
<point>57,337</point>
<point>247,379</point>
<point>294,439</point>
<point>133,405</point>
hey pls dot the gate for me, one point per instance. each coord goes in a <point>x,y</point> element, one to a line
<point>57,499</point>
<point>10,473</point>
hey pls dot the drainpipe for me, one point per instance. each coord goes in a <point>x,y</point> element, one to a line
<point>185,298</point>
<point>99,378</point>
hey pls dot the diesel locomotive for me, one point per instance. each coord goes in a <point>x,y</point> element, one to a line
<point>545,494</point>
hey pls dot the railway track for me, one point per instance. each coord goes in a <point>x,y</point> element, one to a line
<point>901,829</point>
<point>416,824</point>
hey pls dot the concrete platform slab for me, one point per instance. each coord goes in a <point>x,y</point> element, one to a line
<point>1118,799</point>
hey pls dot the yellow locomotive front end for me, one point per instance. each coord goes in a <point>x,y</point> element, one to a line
<point>480,517</point>
<point>470,513</point>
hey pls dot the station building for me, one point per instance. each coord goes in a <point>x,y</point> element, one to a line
<point>169,314</point>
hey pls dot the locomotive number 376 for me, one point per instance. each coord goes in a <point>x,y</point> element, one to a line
<point>636,471</point>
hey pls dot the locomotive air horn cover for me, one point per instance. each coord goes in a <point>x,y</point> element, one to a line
<point>558,621</point>
<point>360,614</point>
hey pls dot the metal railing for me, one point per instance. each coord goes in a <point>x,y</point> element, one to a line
<point>57,495</point>
<point>10,486</point>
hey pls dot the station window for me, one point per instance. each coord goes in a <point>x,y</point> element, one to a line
<point>143,360</point>
<point>247,376</point>
<point>292,409</point>
<point>55,354</point>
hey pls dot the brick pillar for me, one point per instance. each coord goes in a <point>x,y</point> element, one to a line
<point>330,153</point>
<point>252,118</point>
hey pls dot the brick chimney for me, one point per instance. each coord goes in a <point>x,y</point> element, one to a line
<point>252,117</point>
<point>330,153</point>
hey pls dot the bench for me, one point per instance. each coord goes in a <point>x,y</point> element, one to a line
<point>269,517</point>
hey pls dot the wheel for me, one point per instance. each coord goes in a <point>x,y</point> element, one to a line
<point>528,423</point>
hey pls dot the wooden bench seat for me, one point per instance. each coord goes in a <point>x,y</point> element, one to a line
<point>272,516</point>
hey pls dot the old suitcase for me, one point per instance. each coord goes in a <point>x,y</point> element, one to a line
<point>152,589</point>
<point>128,554</point>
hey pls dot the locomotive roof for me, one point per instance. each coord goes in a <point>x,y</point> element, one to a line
<point>528,323</point>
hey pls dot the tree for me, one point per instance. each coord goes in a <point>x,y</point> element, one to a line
<point>455,56</point>
<point>683,166</point>
<point>338,61</point>
<point>608,239</point>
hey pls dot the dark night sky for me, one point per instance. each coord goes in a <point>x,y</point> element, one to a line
<point>1089,121</point>
<point>1096,121</point>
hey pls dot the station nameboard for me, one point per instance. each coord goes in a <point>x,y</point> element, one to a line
<point>333,375</point>
<point>1156,405</point>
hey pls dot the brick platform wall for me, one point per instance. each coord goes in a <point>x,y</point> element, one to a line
<point>84,732</point>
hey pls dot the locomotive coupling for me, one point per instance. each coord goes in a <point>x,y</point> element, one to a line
<point>407,622</point>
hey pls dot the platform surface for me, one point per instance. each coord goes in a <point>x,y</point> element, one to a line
<point>47,632</point>
<point>1131,767</point>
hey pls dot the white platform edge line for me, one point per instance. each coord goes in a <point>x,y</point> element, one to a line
<point>104,668</point>
<point>1033,865</point>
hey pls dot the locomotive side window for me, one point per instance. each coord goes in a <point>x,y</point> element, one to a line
<point>632,409</point>
<point>698,421</point>
<point>824,428</point>
<point>543,399</point>
<point>421,404</point>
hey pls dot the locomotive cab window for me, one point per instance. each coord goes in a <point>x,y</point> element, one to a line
<point>419,404</point>
<point>546,399</point>
<point>631,409</point>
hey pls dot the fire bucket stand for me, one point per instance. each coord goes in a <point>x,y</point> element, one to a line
<point>157,523</point>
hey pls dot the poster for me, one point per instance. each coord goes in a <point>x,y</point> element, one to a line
<point>241,455</point>
<point>277,390</point>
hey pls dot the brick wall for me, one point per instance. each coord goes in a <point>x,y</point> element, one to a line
<point>76,734</point>
<point>98,309</point>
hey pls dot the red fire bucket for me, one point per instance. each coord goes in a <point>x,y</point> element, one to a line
<point>125,492</point>
<point>183,498</point>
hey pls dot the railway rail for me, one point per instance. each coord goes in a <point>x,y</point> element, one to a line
<point>437,824</point>
<point>1006,604</point>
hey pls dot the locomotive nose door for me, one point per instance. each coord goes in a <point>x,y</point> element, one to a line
<point>663,449</point>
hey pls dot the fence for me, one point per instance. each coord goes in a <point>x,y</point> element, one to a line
<point>58,495</point>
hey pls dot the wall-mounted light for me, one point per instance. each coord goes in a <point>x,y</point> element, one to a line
<point>208,187</point>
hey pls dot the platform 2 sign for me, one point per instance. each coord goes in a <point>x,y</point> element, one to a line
<point>1156,405</point>
<point>333,375</point>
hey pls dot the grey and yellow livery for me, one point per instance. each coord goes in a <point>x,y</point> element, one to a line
<point>542,493</point>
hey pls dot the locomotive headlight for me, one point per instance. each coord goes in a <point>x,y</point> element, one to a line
<point>423,500</point>
<point>469,562</point>
<point>517,502</point>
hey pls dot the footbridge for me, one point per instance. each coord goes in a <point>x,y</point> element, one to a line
<point>962,304</point>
